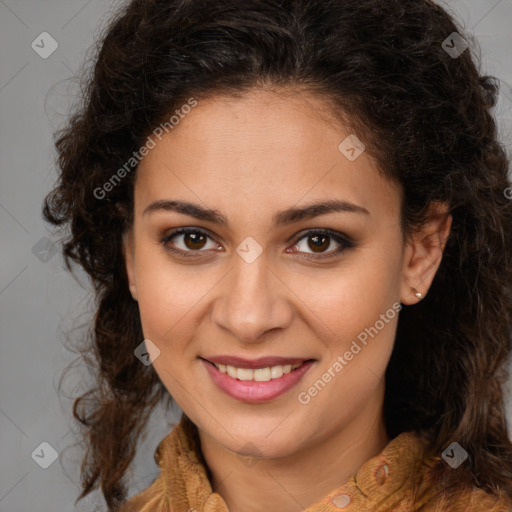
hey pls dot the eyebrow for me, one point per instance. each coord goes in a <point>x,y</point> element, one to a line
<point>282,218</point>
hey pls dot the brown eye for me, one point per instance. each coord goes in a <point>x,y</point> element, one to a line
<point>187,241</point>
<point>316,243</point>
<point>194,240</point>
<point>319,242</point>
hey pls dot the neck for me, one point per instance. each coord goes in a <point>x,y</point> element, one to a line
<point>303,478</point>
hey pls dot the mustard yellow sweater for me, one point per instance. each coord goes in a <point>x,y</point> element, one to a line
<point>382,483</point>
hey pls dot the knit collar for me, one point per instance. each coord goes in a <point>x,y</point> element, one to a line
<point>381,481</point>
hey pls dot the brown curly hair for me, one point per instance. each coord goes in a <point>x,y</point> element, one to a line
<point>425,116</point>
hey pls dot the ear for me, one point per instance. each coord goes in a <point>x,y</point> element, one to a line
<point>423,253</point>
<point>128,253</point>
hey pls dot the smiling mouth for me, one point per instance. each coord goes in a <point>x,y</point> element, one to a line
<point>264,374</point>
<point>260,384</point>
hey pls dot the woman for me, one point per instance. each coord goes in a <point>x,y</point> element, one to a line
<point>295,217</point>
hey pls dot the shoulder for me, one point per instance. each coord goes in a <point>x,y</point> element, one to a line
<point>408,482</point>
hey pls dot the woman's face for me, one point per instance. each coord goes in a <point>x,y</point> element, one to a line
<point>261,284</point>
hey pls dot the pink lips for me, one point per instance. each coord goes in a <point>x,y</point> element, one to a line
<point>254,391</point>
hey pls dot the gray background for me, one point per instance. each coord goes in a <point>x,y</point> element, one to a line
<point>39,301</point>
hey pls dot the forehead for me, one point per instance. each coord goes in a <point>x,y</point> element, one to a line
<point>274,149</point>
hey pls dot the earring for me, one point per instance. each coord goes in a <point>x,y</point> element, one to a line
<point>417,294</point>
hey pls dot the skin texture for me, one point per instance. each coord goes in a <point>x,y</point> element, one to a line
<point>249,158</point>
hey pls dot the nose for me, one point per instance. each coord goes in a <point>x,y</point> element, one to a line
<point>252,301</point>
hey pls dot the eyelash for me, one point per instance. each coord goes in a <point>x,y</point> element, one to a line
<point>344,241</point>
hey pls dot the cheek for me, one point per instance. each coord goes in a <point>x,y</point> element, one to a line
<point>173,300</point>
<point>167,305</point>
<point>168,312</point>
<point>363,322</point>
<point>167,292</point>
<point>354,297</point>
<point>358,310</point>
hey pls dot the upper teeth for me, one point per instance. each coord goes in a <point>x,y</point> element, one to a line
<point>260,374</point>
